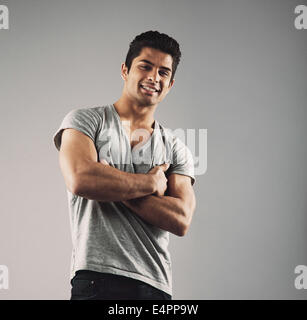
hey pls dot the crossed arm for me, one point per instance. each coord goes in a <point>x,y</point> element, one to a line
<point>172,212</point>
<point>90,179</point>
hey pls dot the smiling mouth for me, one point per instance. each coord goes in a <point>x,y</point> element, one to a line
<point>148,89</point>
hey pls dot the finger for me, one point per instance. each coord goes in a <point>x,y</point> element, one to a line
<point>164,166</point>
<point>103,161</point>
<point>152,170</point>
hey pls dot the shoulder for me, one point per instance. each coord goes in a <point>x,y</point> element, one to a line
<point>87,120</point>
<point>87,112</point>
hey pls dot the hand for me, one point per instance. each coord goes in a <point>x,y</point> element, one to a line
<point>104,162</point>
<point>160,180</point>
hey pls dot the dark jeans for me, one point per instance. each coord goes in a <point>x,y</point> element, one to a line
<point>91,285</point>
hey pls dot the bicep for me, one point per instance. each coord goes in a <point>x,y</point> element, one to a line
<point>179,186</point>
<point>77,149</point>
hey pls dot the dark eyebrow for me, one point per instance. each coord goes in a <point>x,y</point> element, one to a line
<point>147,61</point>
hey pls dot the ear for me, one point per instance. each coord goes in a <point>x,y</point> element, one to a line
<point>124,71</point>
<point>171,84</point>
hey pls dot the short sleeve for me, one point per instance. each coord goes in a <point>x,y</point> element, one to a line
<point>86,120</point>
<point>182,160</point>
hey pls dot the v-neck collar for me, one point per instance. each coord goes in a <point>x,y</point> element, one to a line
<point>156,126</point>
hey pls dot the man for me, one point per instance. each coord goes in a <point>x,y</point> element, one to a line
<point>129,182</point>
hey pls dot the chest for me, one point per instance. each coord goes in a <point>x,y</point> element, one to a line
<point>131,149</point>
<point>127,150</point>
<point>137,136</point>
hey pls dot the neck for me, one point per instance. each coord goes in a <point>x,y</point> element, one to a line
<point>135,113</point>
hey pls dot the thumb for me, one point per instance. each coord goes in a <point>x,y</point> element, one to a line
<point>164,166</point>
<point>103,161</point>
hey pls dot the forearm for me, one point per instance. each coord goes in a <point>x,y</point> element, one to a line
<point>105,183</point>
<point>165,212</point>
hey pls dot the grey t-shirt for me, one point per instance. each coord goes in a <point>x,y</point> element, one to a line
<point>108,236</point>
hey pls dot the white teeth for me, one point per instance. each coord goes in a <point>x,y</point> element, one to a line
<point>149,89</point>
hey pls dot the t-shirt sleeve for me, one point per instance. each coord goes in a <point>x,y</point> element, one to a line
<point>85,120</point>
<point>182,160</point>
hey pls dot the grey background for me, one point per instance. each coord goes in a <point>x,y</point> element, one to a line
<point>242,77</point>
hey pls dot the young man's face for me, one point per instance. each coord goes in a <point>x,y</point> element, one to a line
<point>148,80</point>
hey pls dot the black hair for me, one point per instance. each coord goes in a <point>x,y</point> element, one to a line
<point>156,40</point>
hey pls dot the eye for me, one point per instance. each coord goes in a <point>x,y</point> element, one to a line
<point>144,67</point>
<point>164,73</point>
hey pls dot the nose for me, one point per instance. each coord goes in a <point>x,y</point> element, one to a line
<point>154,76</point>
